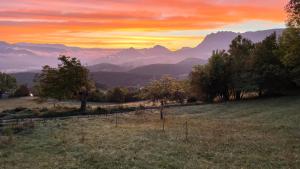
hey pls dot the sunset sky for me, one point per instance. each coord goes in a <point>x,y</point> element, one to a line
<point>133,23</point>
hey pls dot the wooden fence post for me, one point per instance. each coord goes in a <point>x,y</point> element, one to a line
<point>186,131</point>
<point>116,119</point>
<point>163,125</point>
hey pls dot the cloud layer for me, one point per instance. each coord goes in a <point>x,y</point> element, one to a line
<point>125,23</point>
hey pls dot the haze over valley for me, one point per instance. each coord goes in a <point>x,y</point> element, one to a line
<point>22,57</point>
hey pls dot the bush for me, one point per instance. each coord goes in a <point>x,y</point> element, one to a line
<point>22,91</point>
<point>192,99</point>
<point>97,96</point>
<point>100,110</point>
<point>116,95</point>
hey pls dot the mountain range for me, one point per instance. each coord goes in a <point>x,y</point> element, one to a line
<point>118,67</point>
<point>28,56</point>
<point>111,75</point>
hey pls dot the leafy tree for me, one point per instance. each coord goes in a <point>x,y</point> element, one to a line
<point>180,91</point>
<point>116,95</point>
<point>7,83</point>
<point>219,77</point>
<point>290,48</point>
<point>132,95</point>
<point>212,79</point>
<point>200,82</point>
<point>269,72</point>
<point>22,91</point>
<point>239,51</point>
<point>290,41</point>
<point>97,96</point>
<point>160,90</point>
<point>67,81</point>
<point>293,9</point>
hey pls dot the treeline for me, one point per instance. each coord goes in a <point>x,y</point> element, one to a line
<point>164,89</point>
<point>115,95</point>
<point>10,88</point>
<point>267,68</point>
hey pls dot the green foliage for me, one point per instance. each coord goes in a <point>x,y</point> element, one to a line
<point>117,95</point>
<point>69,80</point>
<point>65,81</point>
<point>268,70</point>
<point>239,53</point>
<point>167,88</point>
<point>7,83</point>
<point>265,68</point>
<point>290,49</point>
<point>211,80</point>
<point>22,91</point>
<point>293,9</point>
<point>97,96</point>
<point>163,90</point>
<point>123,94</point>
<point>180,91</point>
<point>199,80</point>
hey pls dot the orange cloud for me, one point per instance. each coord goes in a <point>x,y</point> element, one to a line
<point>36,21</point>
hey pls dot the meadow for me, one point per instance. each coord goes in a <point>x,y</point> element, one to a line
<point>34,102</point>
<point>262,133</point>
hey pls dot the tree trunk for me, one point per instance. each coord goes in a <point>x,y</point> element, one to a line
<point>161,110</point>
<point>226,96</point>
<point>83,100</point>
<point>238,95</point>
<point>260,93</point>
<point>83,106</point>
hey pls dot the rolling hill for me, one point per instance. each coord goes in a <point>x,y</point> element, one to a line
<point>179,69</point>
<point>116,79</point>
<point>107,67</point>
<point>119,67</point>
<point>114,75</point>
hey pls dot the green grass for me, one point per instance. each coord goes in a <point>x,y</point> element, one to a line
<point>33,103</point>
<point>249,134</point>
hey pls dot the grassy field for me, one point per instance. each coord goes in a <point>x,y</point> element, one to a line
<point>32,102</point>
<point>251,134</point>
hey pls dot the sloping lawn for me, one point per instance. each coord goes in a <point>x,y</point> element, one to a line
<point>249,134</point>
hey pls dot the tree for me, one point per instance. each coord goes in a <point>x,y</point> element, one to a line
<point>212,80</point>
<point>7,83</point>
<point>160,90</point>
<point>69,80</point>
<point>116,95</point>
<point>180,91</point>
<point>290,41</point>
<point>293,9</point>
<point>22,91</point>
<point>200,82</point>
<point>239,51</point>
<point>269,72</point>
<point>97,96</point>
<point>290,48</point>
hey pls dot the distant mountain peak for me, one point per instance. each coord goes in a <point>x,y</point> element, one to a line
<point>159,47</point>
<point>130,52</point>
<point>22,56</point>
<point>2,43</point>
<point>156,50</point>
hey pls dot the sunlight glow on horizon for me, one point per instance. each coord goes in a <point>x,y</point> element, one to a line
<point>133,23</point>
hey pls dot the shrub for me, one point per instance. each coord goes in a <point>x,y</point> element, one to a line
<point>97,96</point>
<point>192,99</point>
<point>22,91</point>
